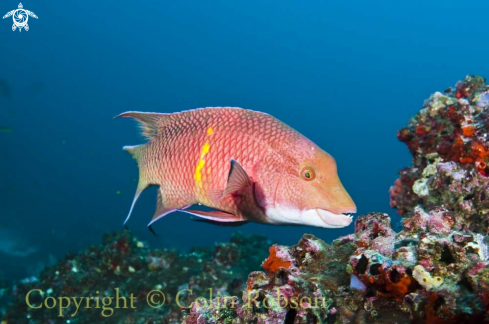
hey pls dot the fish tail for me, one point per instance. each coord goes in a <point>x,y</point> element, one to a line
<point>137,152</point>
<point>150,123</point>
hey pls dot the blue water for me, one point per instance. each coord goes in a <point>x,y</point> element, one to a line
<point>347,74</point>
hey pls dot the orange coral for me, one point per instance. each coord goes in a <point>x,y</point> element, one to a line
<point>399,289</point>
<point>273,262</point>
<point>361,244</point>
<point>390,282</point>
<point>468,131</point>
<point>472,152</point>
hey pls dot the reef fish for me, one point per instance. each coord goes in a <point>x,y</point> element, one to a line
<point>244,165</point>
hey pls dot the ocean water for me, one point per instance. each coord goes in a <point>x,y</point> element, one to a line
<point>346,74</point>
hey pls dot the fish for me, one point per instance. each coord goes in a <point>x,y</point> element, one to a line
<point>5,129</point>
<point>244,165</point>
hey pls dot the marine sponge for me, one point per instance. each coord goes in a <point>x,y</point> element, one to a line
<point>424,278</point>
<point>426,257</point>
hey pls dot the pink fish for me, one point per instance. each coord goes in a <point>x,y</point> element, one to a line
<point>244,165</point>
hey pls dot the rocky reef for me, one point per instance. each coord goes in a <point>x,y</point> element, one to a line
<point>435,270</point>
<point>448,141</point>
<point>300,285</point>
<point>124,281</point>
<point>426,273</point>
<point>436,274</point>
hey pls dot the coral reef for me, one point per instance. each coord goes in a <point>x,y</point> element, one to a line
<point>126,270</point>
<point>425,273</point>
<point>448,140</point>
<point>299,285</point>
<point>436,275</point>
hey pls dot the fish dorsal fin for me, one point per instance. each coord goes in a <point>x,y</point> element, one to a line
<point>215,215</point>
<point>237,179</point>
<point>151,123</point>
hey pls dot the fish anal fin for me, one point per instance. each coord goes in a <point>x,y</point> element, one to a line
<point>237,179</point>
<point>163,209</point>
<point>215,215</point>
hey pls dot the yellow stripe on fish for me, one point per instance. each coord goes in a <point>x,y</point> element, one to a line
<point>200,165</point>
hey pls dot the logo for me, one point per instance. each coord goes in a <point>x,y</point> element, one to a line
<point>20,17</point>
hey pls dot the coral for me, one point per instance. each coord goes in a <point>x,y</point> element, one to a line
<point>428,272</point>
<point>432,271</point>
<point>448,141</point>
<point>300,285</point>
<point>124,267</point>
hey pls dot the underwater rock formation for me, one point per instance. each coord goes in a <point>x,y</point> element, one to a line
<point>125,269</point>
<point>448,141</point>
<point>426,273</point>
<point>299,285</point>
<point>436,274</point>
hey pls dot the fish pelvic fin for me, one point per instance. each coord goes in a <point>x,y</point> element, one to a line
<point>228,224</point>
<point>150,123</point>
<point>215,216</point>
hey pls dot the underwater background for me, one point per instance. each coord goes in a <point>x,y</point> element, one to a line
<point>346,74</point>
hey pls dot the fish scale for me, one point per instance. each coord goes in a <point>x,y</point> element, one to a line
<point>224,144</point>
<point>195,156</point>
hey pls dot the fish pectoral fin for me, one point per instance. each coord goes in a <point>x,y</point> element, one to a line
<point>215,215</point>
<point>215,195</point>
<point>237,179</point>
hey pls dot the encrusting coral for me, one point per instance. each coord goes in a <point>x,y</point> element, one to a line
<point>123,267</point>
<point>448,140</point>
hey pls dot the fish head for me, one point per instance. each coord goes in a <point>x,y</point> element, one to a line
<point>309,191</point>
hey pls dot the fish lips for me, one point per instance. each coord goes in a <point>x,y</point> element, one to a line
<point>334,220</point>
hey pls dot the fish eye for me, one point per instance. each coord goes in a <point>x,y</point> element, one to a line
<point>308,173</point>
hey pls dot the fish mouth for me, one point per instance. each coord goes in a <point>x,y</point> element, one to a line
<point>334,220</point>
